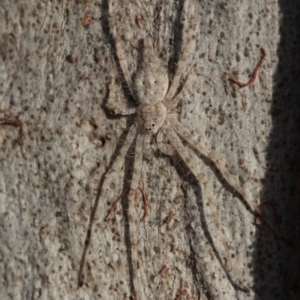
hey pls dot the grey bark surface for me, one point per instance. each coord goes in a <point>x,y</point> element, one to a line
<point>57,62</point>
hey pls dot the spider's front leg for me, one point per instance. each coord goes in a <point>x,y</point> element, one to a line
<point>113,103</point>
<point>171,99</point>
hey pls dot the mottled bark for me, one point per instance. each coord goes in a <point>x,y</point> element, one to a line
<point>57,62</point>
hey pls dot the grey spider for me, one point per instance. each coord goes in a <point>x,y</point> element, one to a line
<point>157,98</point>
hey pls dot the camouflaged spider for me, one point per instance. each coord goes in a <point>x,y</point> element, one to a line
<point>157,98</point>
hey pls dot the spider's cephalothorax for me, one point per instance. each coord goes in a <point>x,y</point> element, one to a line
<point>150,87</point>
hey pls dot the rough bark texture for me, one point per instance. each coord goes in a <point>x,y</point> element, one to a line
<point>57,60</point>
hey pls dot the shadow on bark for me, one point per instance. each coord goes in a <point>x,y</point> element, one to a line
<point>274,259</point>
<point>199,271</point>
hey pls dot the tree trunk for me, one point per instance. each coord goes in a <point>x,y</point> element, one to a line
<point>60,74</point>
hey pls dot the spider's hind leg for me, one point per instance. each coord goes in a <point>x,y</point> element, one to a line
<point>187,158</point>
<point>138,158</point>
<point>137,167</point>
<point>219,163</point>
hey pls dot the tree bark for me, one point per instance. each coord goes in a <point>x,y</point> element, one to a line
<point>59,75</point>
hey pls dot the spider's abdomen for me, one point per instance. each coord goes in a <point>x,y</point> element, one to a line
<point>152,117</point>
<point>150,84</point>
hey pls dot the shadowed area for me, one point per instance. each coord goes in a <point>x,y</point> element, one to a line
<point>282,175</point>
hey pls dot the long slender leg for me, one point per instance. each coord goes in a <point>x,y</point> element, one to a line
<point>122,59</point>
<point>138,159</point>
<point>174,85</point>
<point>162,145</point>
<point>117,165</point>
<point>106,193</point>
<point>222,168</point>
<point>113,101</point>
<point>182,131</point>
<point>173,102</point>
<point>137,166</point>
<point>149,55</point>
<point>123,151</point>
<point>178,145</point>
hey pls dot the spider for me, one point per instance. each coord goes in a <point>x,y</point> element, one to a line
<point>157,97</point>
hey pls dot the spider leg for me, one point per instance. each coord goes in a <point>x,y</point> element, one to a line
<point>184,133</point>
<point>138,159</point>
<point>106,194</point>
<point>173,102</point>
<point>113,104</point>
<point>117,165</point>
<point>163,146</point>
<point>148,51</point>
<point>146,145</point>
<point>123,151</point>
<point>175,82</point>
<point>137,166</point>
<point>180,148</point>
<point>121,58</point>
<point>178,145</point>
